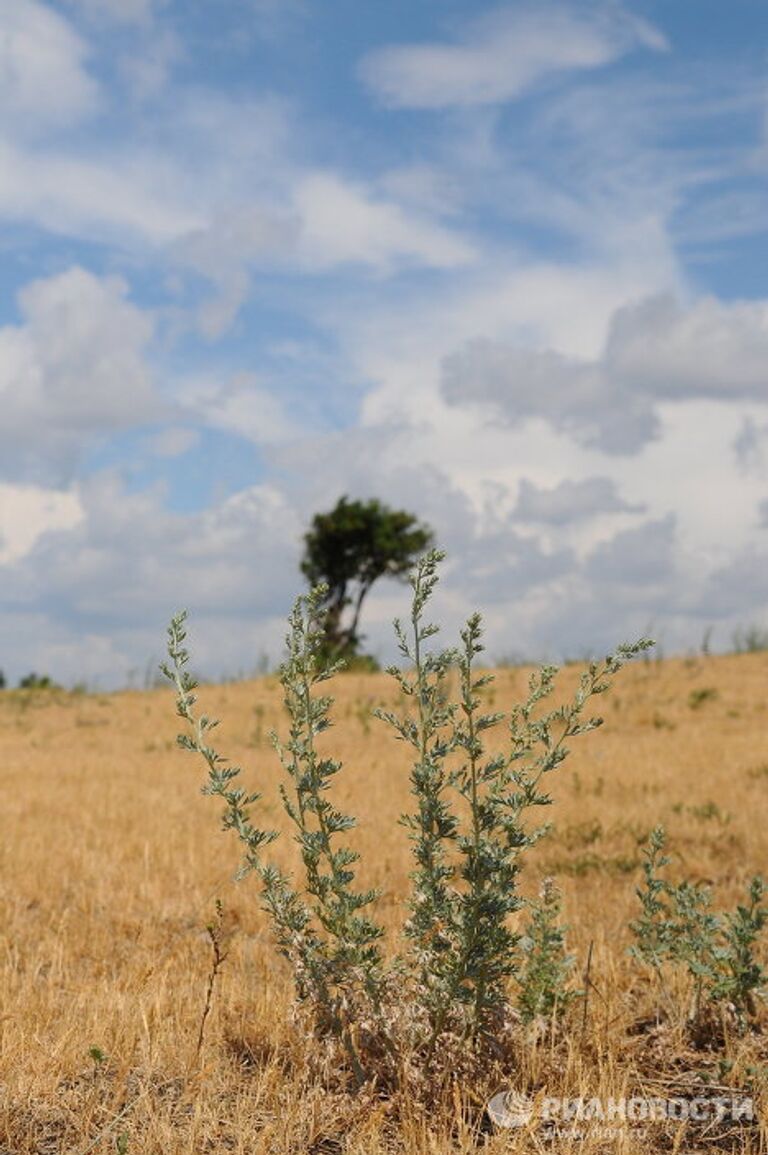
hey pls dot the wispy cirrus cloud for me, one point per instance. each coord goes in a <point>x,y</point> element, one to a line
<point>503,53</point>
<point>122,197</point>
<point>376,232</point>
<point>44,79</point>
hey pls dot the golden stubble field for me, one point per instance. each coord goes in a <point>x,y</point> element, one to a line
<point>111,862</point>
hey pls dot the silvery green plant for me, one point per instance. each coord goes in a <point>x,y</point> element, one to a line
<point>743,978</point>
<point>678,926</point>
<point>654,930</point>
<point>319,927</point>
<point>429,728</point>
<point>470,827</point>
<point>546,969</point>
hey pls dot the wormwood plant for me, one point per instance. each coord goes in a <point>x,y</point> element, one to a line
<point>469,828</point>
<point>546,968</point>
<point>320,929</point>
<point>470,825</point>
<point>678,926</point>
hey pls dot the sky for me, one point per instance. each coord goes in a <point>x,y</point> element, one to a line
<point>503,266</point>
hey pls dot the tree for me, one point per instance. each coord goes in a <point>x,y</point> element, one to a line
<point>348,549</point>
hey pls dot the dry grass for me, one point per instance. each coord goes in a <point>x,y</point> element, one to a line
<point>110,864</point>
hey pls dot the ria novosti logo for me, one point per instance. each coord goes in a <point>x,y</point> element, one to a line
<point>511,1109</point>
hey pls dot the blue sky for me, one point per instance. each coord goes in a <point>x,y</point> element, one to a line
<point>502,265</point>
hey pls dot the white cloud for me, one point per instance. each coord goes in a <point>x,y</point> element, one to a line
<point>73,371</point>
<point>723,216</point>
<point>173,441</point>
<point>225,249</point>
<point>130,562</point>
<point>27,512</point>
<point>425,188</point>
<point>642,556</point>
<point>118,198</point>
<point>575,397</point>
<point>149,188</point>
<point>384,461</point>
<point>709,349</point>
<point>117,576</point>
<point>504,53</point>
<point>146,72</point>
<point>750,445</point>
<point>655,350</point>
<point>321,223</point>
<point>43,79</point>
<point>570,501</point>
<point>243,406</point>
<point>502,567</point>
<point>736,590</point>
<point>343,223</point>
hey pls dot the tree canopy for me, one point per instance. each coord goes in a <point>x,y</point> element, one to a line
<point>351,547</point>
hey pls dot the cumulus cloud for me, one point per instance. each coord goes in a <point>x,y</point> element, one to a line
<point>243,405</point>
<point>643,556</point>
<point>736,590</point>
<point>656,351</point>
<point>504,53</point>
<point>750,445</point>
<point>43,78</point>
<point>129,551</point>
<point>72,371</point>
<point>129,564</point>
<point>491,566</point>
<point>570,501</point>
<point>381,460</point>
<point>575,397</point>
<point>500,567</point>
<point>632,584</point>
<point>29,511</point>
<point>710,349</point>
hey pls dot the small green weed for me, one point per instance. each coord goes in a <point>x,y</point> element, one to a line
<point>543,979</point>
<point>697,698</point>
<point>678,926</point>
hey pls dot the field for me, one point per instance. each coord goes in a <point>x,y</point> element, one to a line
<point>111,862</point>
